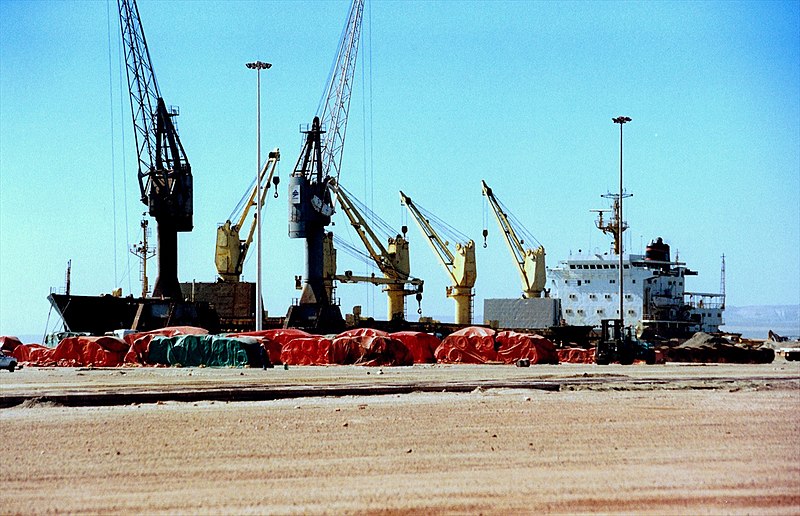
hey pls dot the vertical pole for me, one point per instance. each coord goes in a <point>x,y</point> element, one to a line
<point>259,309</point>
<point>619,236</point>
<point>620,120</point>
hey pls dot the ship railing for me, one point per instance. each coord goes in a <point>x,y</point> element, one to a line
<point>704,300</point>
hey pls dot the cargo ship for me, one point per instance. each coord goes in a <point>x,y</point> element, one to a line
<point>584,290</point>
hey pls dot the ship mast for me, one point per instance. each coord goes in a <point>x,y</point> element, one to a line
<point>143,250</point>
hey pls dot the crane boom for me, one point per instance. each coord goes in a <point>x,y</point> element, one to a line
<point>530,261</point>
<point>231,251</point>
<point>460,266</point>
<point>392,260</point>
<point>165,176</point>
<point>336,104</point>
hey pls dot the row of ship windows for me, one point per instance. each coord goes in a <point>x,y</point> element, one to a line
<point>589,281</point>
<point>668,283</point>
<point>580,311</point>
<point>594,296</point>
<point>597,266</point>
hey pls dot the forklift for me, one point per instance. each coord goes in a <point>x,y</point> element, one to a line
<point>619,344</point>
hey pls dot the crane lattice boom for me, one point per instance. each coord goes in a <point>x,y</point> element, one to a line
<point>165,178</point>
<point>335,105</point>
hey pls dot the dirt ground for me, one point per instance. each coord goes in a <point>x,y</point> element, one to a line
<point>690,447</point>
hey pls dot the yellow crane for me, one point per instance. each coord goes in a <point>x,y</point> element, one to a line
<point>231,250</point>
<point>530,261</point>
<point>460,265</point>
<point>392,259</point>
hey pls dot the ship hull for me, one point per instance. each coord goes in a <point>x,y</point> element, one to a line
<point>97,315</point>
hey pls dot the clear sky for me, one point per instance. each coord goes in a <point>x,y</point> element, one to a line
<point>447,93</point>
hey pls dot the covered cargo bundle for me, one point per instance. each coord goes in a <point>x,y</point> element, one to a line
<point>380,350</point>
<point>471,345</point>
<point>576,355</point>
<point>206,350</point>
<point>140,342</point>
<point>421,345</point>
<point>311,350</point>
<point>513,346</point>
<point>82,351</point>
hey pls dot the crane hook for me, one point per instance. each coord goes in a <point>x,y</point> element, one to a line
<point>485,234</point>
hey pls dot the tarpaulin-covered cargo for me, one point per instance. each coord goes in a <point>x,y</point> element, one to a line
<point>8,343</point>
<point>311,350</point>
<point>471,345</point>
<point>380,350</point>
<point>102,351</point>
<point>512,346</point>
<point>31,353</point>
<point>576,355</point>
<point>206,350</point>
<point>140,342</point>
<point>421,345</point>
<point>273,340</point>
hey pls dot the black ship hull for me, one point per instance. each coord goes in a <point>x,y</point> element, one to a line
<point>98,315</point>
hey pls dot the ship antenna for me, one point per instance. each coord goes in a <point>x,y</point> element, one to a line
<point>143,250</point>
<point>722,281</point>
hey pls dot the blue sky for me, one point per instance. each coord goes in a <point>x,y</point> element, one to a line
<point>447,93</point>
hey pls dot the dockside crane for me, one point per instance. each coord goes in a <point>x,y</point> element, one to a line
<point>391,259</point>
<point>231,250</point>
<point>311,203</point>
<point>165,176</point>
<point>459,265</point>
<point>529,260</point>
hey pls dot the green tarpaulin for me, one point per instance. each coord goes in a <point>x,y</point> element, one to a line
<point>207,350</point>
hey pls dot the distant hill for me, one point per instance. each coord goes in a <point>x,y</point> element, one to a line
<point>756,321</point>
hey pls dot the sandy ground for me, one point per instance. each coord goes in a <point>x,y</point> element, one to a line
<point>693,446</point>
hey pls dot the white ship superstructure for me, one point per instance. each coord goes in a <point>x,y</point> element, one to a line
<point>655,296</point>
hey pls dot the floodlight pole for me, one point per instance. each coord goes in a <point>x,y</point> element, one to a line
<point>621,120</point>
<point>258,66</point>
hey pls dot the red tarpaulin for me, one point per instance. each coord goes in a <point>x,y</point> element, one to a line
<point>379,350</point>
<point>8,343</point>
<point>361,332</point>
<point>472,345</point>
<point>513,346</point>
<point>312,350</point>
<point>421,345</point>
<point>30,352</point>
<point>102,351</point>
<point>576,355</point>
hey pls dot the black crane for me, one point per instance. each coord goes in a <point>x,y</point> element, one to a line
<point>310,199</point>
<point>165,176</point>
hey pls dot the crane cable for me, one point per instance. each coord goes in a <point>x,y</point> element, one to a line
<point>127,274</point>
